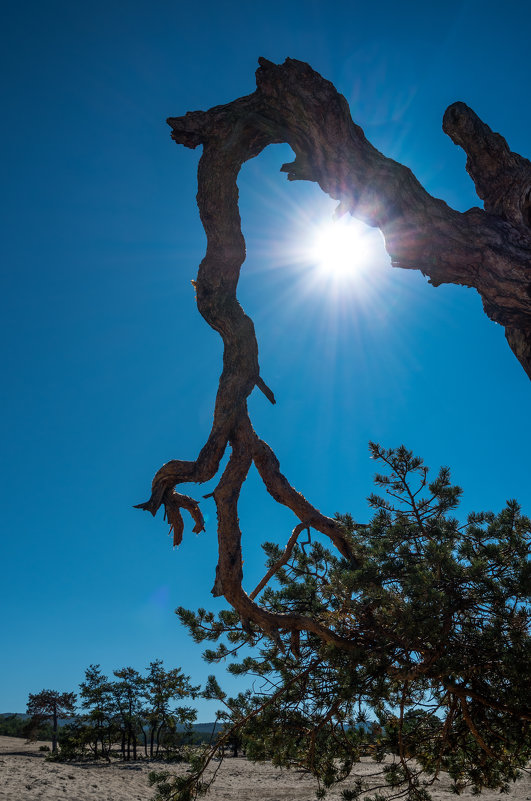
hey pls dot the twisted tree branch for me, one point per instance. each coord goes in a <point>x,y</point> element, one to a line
<point>486,249</point>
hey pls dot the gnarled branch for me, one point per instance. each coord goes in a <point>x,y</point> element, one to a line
<point>486,249</point>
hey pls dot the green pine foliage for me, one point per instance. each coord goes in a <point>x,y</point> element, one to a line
<point>435,671</point>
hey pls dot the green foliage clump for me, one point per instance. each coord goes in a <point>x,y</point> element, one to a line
<point>432,670</point>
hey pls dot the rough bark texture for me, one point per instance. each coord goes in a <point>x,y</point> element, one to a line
<point>487,249</point>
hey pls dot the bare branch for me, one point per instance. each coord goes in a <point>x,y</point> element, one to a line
<point>280,562</point>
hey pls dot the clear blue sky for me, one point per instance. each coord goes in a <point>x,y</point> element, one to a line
<point>108,369</point>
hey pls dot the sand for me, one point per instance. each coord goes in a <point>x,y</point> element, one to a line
<point>26,776</point>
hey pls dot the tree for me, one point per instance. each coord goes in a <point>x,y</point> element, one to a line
<point>97,698</point>
<point>161,689</point>
<point>50,705</point>
<point>488,249</point>
<point>437,616</point>
<point>128,696</point>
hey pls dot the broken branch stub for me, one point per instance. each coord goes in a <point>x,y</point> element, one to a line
<point>486,249</point>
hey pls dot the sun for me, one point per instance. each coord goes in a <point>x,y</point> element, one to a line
<point>341,250</point>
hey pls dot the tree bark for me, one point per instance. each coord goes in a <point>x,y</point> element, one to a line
<point>488,249</point>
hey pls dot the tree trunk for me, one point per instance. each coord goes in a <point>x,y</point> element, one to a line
<point>159,729</point>
<point>54,730</point>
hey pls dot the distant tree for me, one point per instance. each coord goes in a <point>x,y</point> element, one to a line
<point>51,705</point>
<point>233,740</point>
<point>128,694</point>
<point>162,688</point>
<point>97,699</point>
<point>432,655</point>
<point>75,738</point>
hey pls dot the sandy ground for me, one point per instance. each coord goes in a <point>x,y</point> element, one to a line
<point>26,776</point>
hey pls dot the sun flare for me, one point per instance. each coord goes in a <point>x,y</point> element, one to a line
<point>341,250</point>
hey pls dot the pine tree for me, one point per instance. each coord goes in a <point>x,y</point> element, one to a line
<point>128,697</point>
<point>97,698</point>
<point>50,705</point>
<point>435,650</point>
<point>162,688</point>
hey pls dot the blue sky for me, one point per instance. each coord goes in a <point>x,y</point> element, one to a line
<point>109,370</point>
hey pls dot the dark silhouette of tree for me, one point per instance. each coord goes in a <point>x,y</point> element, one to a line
<point>50,705</point>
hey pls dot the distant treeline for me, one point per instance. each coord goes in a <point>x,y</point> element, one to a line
<point>17,725</point>
<point>131,715</point>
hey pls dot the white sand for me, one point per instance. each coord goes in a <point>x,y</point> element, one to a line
<point>26,776</point>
